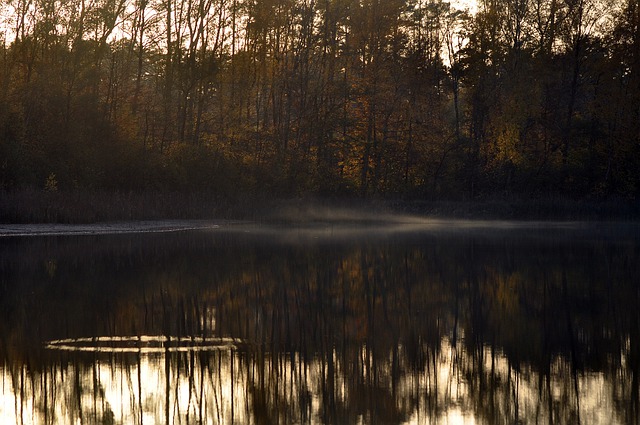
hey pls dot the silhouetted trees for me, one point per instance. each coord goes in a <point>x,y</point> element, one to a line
<point>341,97</point>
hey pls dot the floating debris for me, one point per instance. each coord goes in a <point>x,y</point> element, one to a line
<point>144,344</point>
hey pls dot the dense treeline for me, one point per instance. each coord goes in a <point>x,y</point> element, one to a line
<point>334,97</point>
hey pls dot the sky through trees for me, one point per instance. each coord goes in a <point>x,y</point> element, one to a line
<point>389,98</point>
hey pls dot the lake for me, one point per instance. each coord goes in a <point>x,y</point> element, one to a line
<point>432,322</point>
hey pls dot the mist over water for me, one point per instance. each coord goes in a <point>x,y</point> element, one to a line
<point>362,318</point>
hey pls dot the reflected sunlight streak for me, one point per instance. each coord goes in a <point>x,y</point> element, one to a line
<point>225,386</point>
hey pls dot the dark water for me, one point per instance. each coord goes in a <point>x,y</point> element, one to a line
<point>442,323</point>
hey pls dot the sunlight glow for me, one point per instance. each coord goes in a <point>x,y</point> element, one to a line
<point>222,386</point>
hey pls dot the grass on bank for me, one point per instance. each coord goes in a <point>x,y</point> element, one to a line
<point>33,206</point>
<point>38,206</point>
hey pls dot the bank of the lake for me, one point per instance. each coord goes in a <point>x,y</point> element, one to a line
<point>82,207</point>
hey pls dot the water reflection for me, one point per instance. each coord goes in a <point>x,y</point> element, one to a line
<point>134,389</point>
<point>236,327</point>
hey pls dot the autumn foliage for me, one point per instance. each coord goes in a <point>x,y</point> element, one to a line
<point>394,98</point>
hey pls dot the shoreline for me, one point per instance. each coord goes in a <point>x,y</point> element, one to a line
<point>41,207</point>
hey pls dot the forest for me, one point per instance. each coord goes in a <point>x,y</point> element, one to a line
<point>411,99</point>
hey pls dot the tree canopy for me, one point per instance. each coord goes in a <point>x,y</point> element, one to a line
<point>393,98</point>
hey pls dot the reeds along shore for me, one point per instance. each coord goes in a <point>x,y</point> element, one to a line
<point>91,207</point>
<point>37,206</point>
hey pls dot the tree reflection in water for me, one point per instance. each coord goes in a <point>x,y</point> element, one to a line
<point>417,328</point>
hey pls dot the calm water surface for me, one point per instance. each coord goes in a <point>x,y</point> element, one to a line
<point>448,322</point>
